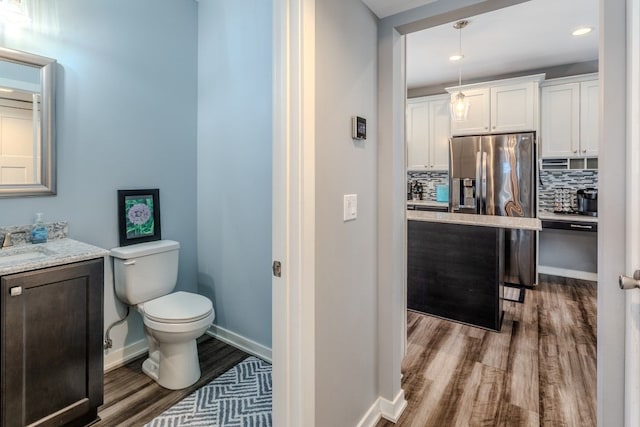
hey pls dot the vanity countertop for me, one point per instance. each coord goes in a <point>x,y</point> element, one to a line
<point>476,220</point>
<point>26,257</point>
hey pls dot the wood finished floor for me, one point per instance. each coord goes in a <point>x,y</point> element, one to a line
<point>539,371</point>
<point>132,399</point>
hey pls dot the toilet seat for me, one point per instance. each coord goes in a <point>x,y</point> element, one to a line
<point>176,308</point>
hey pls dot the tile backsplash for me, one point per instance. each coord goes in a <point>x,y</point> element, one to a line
<point>574,180</point>
<point>426,177</point>
<point>550,180</point>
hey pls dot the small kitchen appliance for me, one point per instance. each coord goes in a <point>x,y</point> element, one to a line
<point>587,201</point>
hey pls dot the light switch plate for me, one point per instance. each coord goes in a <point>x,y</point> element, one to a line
<point>350,207</point>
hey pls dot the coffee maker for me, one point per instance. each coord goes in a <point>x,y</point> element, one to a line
<point>587,201</point>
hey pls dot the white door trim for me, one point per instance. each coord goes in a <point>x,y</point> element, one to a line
<point>294,212</point>
<point>632,262</point>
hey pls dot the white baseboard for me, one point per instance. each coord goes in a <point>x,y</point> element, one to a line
<point>372,416</point>
<point>564,272</point>
<point>383,408</point>
<point>118,357</point>
<point>392,410</point>
<point>238,341</point>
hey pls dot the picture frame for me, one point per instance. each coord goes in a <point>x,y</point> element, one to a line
<point>139,216</point>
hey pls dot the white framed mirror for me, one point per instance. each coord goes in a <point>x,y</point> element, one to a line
<point>27,124</point>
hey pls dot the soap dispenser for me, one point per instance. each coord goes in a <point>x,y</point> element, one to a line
<point>39,231</point>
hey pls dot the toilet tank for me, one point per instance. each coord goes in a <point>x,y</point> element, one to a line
<point>145,271</point>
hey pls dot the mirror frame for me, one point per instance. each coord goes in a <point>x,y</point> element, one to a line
<point>47,184</point>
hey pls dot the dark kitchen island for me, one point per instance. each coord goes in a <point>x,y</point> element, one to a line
<point>455,266</point>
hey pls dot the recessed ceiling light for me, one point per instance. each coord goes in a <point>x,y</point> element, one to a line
<point>456,57</point>
<point>581,31</point>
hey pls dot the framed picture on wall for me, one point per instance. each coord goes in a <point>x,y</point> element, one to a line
<point>138,216</point>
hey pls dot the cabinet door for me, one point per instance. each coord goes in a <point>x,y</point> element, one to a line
<point>417,132</point>
<point>439,128</point>
<point>513,107</point>
<point>589,117</point>
<point>478,119</point>
<point>560,121</point>
<point>52,359</point>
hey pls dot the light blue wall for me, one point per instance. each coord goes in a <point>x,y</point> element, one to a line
<point>126,119</point>
<point>234,163</point>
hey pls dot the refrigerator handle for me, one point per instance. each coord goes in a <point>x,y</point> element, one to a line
<point>478,188</point>
<point>484,183</point>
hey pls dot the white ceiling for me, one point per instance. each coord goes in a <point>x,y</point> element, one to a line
<point>384,8</point>
<point>531,35</point>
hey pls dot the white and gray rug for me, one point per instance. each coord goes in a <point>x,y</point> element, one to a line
<point>241,397</point>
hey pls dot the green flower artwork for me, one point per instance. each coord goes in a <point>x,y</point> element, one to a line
<point>139,216</point>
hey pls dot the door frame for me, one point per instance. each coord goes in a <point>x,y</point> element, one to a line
<point>293,294</point>
<point>611,242</point>
<point>632,300</point>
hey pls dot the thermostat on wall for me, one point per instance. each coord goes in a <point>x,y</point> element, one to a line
<point>359,128</point>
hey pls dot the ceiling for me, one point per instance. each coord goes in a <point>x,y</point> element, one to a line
<point>384,8</point>
<point>528,36</point>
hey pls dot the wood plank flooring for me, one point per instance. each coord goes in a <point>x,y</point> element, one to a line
<point>540,370</point>
<point>132,399</point>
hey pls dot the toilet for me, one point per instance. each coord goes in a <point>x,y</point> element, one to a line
<point>145,276</point>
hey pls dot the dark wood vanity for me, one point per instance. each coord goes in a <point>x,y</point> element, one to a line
<point>51,345</point>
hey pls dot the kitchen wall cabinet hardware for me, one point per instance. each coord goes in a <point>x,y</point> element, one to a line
<point>500,106</point>
<point>428,126</point>
<point>569,117</point>
<point>51,345</point>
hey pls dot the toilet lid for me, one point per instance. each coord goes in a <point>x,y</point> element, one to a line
<point>178,307</point>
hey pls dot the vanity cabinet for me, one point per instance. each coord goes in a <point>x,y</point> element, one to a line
<point>569,122</point>
<point>51,345</point>
<point>428,126</point>
<point>502,106</point>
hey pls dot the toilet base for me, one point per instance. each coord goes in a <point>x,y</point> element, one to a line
<point>173,365</point>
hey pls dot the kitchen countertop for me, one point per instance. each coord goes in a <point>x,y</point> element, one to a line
<point>476,220</point>
<point>550,216</point>
<point>428,203</point>
<point>50,254</point>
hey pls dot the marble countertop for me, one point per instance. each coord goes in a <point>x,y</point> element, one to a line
<point>550,216</point>
<point>428,203</point>
<point>477,220</point>
<point>26,257</point>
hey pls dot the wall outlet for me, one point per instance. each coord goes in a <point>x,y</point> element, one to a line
<point>350,207</point>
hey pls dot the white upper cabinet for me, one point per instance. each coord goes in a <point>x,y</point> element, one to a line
<point>500,106</point>
<point>428,124</point>
<point>513,107</point>
<point>589,117</point>
<point>477,121</point>
<point>569,117</point>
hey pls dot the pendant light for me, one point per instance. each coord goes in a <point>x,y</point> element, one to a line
<point>459,104</point>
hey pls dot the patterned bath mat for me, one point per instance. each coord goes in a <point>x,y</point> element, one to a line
<point>240,397</point>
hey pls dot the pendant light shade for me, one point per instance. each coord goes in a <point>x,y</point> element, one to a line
<point>459,103</point>
<point>459,107</point>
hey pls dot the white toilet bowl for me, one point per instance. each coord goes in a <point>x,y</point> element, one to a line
<point>172,324</point>
<point>145,276</point>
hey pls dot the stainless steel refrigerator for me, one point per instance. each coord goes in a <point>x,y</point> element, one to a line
<point>496,175</point>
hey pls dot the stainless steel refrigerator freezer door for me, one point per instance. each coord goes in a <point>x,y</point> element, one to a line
<point>463,167</point>
<point>510,175</point>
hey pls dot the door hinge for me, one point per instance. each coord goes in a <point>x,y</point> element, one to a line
<point>277,268</point>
